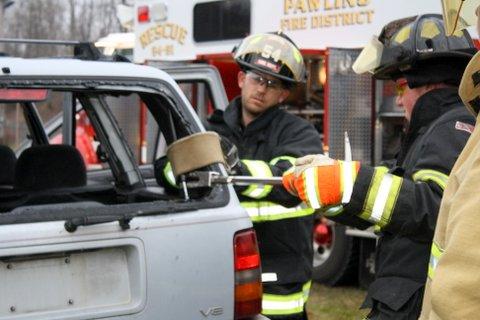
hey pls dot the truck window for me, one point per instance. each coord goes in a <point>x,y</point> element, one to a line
<point>135,120</point>
<point>200,98</point>
<point>221,20</point>
<point>108,128</point>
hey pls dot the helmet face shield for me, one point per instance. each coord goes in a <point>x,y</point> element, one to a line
<point>387,48</point>
<point>459,14</point>
<point>406,43</point>
<point>272,54</point>
<point>369,59</point>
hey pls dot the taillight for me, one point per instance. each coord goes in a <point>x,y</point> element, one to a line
<point>143,14</point>
<point>248,274</point>
<point>19,95</point>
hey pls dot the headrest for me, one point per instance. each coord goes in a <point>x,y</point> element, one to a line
<point>50,167</point>
<point>7,163</point>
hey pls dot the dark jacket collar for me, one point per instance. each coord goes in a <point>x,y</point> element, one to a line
<point>426,110</point>
<point>431,106</point>
<point>233,115</point>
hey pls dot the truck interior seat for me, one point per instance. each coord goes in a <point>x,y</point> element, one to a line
<point>50,167</point>
<point>46,174</point>
<point>8,161</point>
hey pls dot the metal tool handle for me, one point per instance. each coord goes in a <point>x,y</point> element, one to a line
<point>209,178</point>
<point>247,180</point>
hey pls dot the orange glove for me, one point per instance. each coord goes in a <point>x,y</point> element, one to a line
<point>322,185</point>
<point>288,181</point>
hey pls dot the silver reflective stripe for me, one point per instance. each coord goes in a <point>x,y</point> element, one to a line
<point>257,192</point>
<point>274,304</point>
<point>381,199</point>
<point>311,187</point>
<point>347,170</point>
<point>258,168</point>
<point>287,306</point>
<point>269,277</point>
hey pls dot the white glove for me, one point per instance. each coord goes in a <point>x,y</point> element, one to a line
<point>311,160</point>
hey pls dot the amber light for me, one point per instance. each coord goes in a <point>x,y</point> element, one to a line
<point>248,299</point>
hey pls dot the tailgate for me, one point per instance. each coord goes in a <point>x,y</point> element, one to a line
<point>177,266</point>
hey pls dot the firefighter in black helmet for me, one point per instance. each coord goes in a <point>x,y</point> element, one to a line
<point>452,286</point>
<point>401,202</point>
<point>269,140</point>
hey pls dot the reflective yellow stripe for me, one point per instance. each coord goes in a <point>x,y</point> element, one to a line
<point>258,168</point>
<point>274,161</point>
<point>273,304</point>
<point>382,197</point>
<point>435,255</point>
<point>261,211</point>
<point>392,197</point>
<point>168,174</point>
<point>431,175</point>
<point>372,192</point>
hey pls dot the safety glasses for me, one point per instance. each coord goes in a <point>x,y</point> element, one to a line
<point>260,81</point>
<point>400,86</point>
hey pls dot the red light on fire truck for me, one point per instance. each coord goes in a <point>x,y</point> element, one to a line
<point>156,12</point>
<point>143,14</point>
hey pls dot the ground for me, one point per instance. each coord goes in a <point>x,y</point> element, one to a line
<point>338,303</point>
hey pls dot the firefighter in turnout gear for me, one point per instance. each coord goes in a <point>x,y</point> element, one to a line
<point>451,291</point>
<point>401,202</point>
<point>269,140</point>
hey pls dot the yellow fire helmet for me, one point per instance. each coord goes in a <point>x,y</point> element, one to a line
<point>271,53</point>
<point>459,14</point>
<point>403,44</point>
<point>469,89</point>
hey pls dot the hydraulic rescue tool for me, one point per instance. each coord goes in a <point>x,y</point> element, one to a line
<point>190,154</point>
<point>188,157</point>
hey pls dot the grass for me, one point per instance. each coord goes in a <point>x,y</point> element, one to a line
<point>339,303</point>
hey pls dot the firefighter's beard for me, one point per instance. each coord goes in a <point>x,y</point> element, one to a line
<point>255,105</point>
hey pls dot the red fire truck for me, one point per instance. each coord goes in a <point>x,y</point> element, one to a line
<point>330,34</point>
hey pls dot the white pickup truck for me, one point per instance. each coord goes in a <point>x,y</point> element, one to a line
<point>88,241</point>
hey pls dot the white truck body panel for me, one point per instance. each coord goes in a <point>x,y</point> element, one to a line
<point>177,265</point>
<point>311,24</point>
